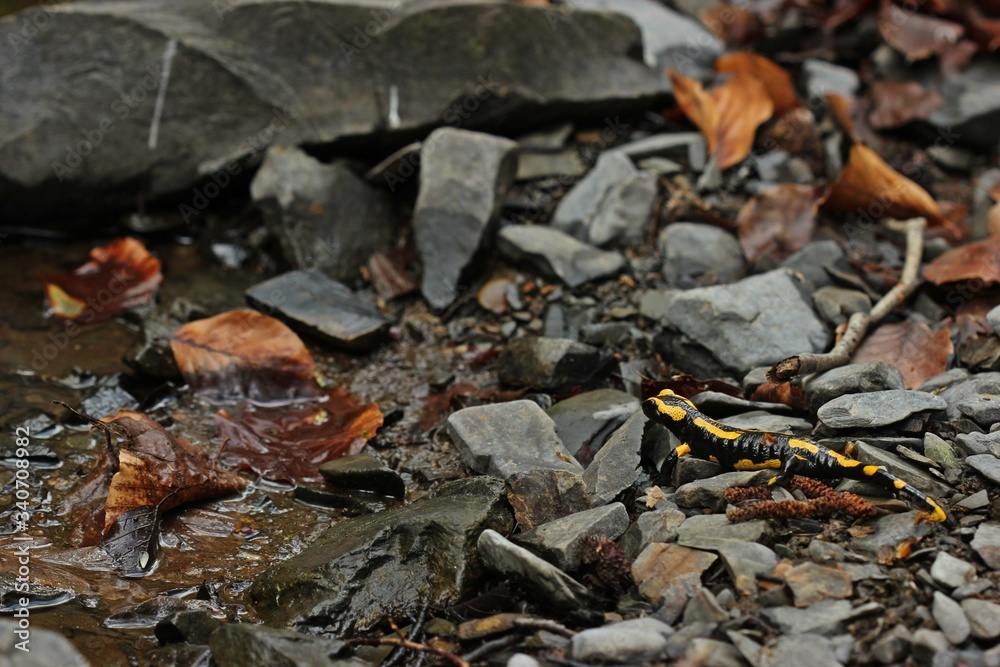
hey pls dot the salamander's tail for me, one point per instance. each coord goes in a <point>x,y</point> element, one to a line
<point>933,511</point>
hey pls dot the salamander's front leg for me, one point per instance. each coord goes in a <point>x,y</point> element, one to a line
<point>788,469</point>
<point>670,462</point>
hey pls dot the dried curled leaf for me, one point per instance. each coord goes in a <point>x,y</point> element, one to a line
<point>119,275</point>
<point>728,116</point>
<point>918,352</point>
<point>290,444</point>
<point>900,102</point>
<point>778,222</point>
<point>152,468</point>
<point>917,36</point>
<point>871,188</point>
<point>244,354</point>
<point>777,82</point>
<point>974,261</point>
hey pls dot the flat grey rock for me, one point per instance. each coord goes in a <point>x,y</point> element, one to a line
<point>616,465</point>
<point>313,304</point>
<point>822,618</point>
<point>286,87</point>
<point>799,649</point>
<point>670,39</point>
<point>950,618</point>
<point>711,531</point>
<point>877,408</point>
<point>464,177</point>
<point>979,443</point>
<point>765,421</point>
<point>557,254</point>
<point>927,645</point>
<point>613,203</point>
<point>984,617</point>
<point>893,646</point>
<point>755,322</point>
<point>938,450</point>
<point>326,217</point>
<point>559,541</point>
<point>823,78</point>
<point>945,380</point>
<point>542,495</point>
<point>952,572</point>
<point>972,105</point>
<point>45,648</point>
<point>860,378</point>
<point>547,583</point>
<point>745,561</point>
<point>546,363</point>
<point>984,409</point>
<point>389,563</point>
<point>987,543</point>
<point>505,438</point>
<point>587,419</point>
<point>813,260</point>
<point>709,492</point>
<point>890,531</point>
<point>837,304</point>
<point>696,255</point>
<point>902,469</point>
<point>248,645</point>
<point>986,465</point>
<point>363,473</point>
<point>565,163</point>
<point>689,146</point>
<point>658,525</point>
<point>969,392</point>
<point>721,404</point>
<point>625,642</point>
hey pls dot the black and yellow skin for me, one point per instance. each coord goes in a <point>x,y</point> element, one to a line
<point>745,449</point>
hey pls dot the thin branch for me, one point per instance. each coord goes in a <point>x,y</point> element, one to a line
<point>544,624</point>
<point>858,325</point>
<point>413,646</point>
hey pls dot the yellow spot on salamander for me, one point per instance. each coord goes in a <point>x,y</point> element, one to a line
<point>674,412</point>
<point>713,459</point>
<point>937,515</point>
<point>899,484</point>
<point>871,470</point>
<point>683,449</point>
<point>805,445</point>
<point>747,464</point>
<point>666,393</point>
<point>715,430</point>
<point>843,460</point>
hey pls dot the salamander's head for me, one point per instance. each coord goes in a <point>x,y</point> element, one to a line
<point>668,407</point>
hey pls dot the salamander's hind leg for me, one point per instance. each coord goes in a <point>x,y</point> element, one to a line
<point>670,462</point>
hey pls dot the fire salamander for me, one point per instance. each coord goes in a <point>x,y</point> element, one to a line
<point>745,449</point>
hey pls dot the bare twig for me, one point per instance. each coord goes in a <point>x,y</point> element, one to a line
<point>403,642</point>
<point>857,326</point>
<point>544,624</point>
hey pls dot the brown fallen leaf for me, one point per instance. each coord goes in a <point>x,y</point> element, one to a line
<point>871,188</point>
<point>782,392</point>
<point>289,444</point>
<point>897,103</point>
<point>728,116</point>
<point>917,351</point>
<point>916,36</point>
<point>243,354</point>
<point>119,275</point>
<point>391,274</point>
<point>777,82</point>
<point>978,261</point>
<point>778,222</point>
<point>731,23</point>
<point>151,468</point>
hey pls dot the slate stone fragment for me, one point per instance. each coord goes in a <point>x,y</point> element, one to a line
<point>877,408</point>
<point>558,255</point>
<point>363,473</point>
<point>549,363</point>
<point>313,304</point>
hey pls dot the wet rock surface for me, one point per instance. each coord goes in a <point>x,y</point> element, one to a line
<point>344,579</point>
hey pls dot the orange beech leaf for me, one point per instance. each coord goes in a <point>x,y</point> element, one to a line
<point>119,275</point>
<point>732,24</point>
<point>842,110</point>
<point>916,36</point>
<point>778,222</point>
<point>244,354</point>
<point>973,261</point>
<point>777,82</point>
<point>289,444</point>
<point>151,469</point>
<point>784,393</point>
<point>869,187</point>
<point>899,102</point>
<point>917,351</point>
<point>728,116</point>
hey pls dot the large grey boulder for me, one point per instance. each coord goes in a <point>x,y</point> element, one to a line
<point>104,101</point>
